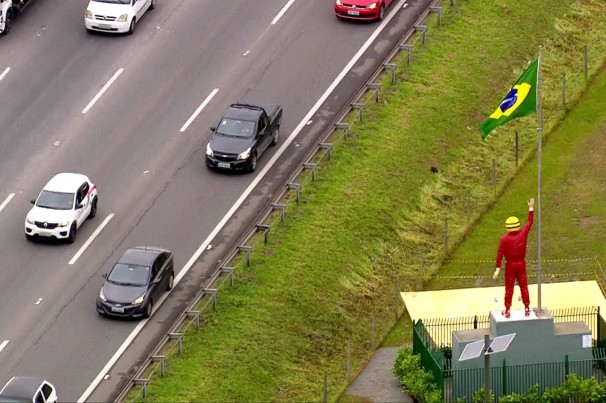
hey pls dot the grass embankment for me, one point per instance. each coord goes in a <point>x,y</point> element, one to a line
<point>289,318</point>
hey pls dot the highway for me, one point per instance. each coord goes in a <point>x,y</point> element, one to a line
<point>133,113</point>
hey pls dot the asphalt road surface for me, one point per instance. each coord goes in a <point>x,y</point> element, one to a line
<point>133,113</point>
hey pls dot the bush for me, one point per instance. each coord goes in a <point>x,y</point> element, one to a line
<point>419,382</point>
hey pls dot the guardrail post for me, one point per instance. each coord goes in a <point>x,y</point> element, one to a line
<point>344,127</point>
<point>248,250</point>
<point>422,29</point>
<point>377,88</point>
<point>392,67</point>
<point>230,272</point>
<point>196,315</point>
<point>359,107</point>
<point>143,384</point>
<point>312,166</point>
<point>160,359</point>
<point>438,10</point>
<point>408,49</point>
<point>281,207</point>
<point>297,189</point>
<point>213,296</point>
<point>328,148</point>
<point>265,228</point>
<point>179,338</point>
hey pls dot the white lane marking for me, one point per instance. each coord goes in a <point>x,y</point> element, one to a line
<point>91,238</point>
<point>281,13</point>
<point>39,300</point>
<point>3,344</point>
<point>6,201</point>
<point>238,202</point>
<point>4,73</point>
<point>102,91</point>
<point>197,112</point>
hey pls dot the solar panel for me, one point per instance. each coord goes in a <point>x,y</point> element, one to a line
<point>500,343</point>
<point>472,350</point>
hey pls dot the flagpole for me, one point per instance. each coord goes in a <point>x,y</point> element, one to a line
<point>539,156</point>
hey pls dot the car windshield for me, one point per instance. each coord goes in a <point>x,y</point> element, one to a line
<point>237,128</point>
<point>55,200</point>
<point>129,274</point>
<point>113,1</point>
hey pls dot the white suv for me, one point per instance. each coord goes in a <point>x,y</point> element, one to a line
<point>66,201</point>
<point>115,15</point>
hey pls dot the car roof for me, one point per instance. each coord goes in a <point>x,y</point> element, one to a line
<point>66,182</point>
<point>243,111</point>
<point>141,255</point>
<point>21,387</point>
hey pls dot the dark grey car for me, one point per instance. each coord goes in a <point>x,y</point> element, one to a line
<point>136,282</point>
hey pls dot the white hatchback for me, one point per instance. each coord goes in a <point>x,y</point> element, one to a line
<point>66,201</point>
<point>118,16</point>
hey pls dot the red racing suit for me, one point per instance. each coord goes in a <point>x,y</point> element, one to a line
<point>513,246</point>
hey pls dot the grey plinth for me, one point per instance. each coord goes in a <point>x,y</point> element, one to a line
<point>535,356</point>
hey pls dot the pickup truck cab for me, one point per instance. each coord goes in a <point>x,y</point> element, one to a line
<point>7,12</point>
<point>244,132</point>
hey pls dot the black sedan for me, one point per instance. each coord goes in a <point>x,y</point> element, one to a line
<point>136,281</point>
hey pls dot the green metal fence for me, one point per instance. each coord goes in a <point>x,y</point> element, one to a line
<point>432,340</point>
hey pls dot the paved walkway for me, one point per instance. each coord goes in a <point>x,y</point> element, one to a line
<point>377,382</point>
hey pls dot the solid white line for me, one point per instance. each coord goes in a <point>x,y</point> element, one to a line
<point>281,13</point>
<point>6,201</point>
<point>91,238</point>
<point>197,112</point>
<point>3,344</point>
<point>4,73</point>
<point>240,200</point>
<point>105,87</point>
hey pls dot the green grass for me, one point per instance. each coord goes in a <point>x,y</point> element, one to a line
<point>377,208</point>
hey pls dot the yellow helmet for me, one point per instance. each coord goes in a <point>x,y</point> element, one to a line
<point>512,224</point>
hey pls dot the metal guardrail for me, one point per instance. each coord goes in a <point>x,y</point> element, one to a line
<point>339,130</point>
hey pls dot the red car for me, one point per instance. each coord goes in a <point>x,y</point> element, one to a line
<point>372,10</point>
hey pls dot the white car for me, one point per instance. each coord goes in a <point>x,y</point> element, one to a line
<point>66,201</point>
<point>28,389</point>
<point>115,15</point>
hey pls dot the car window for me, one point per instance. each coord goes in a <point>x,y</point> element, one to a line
<point>236,128</point>
<point>39,398</point>
<point>113,1</point>
<point>46,391</point>
<point>161,259</point>
<point>55,200</point>
<point>129,274</point>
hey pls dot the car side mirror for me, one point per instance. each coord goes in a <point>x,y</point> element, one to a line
<point>213,129</point>
<point>79,206</point>
<point>104,275</point>
<point>33,201</point>
<point>156,280</point>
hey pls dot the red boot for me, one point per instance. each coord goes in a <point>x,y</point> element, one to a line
<point>506,313</point>
<point>527,311</point>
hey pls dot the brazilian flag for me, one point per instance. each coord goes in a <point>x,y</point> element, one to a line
<point>520,101</point>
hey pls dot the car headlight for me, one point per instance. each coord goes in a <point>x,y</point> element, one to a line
<point>245,154</point>
<point>63,224</point>
<point>29,219</point>
<point>123,18</point>
<point>102,296</point>
<point>373,5</point>
<point>209,151</point>
<point>139,300</point>
<point>88,15</point>
<point>339,3</point>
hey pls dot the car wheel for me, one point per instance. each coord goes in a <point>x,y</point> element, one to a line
<point>253,163</point>
<point>148,309</point>
<point>131,29</point>
<point>72,234</point>
<point>93,209</point>
<point>8,23</point>
<point>275,137</point>
<point>152,5</point>
<point>171,282</point>
<point>381,12</point>
<point>29,237</point>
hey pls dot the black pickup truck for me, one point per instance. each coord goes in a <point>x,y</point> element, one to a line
<point>244,132</point>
